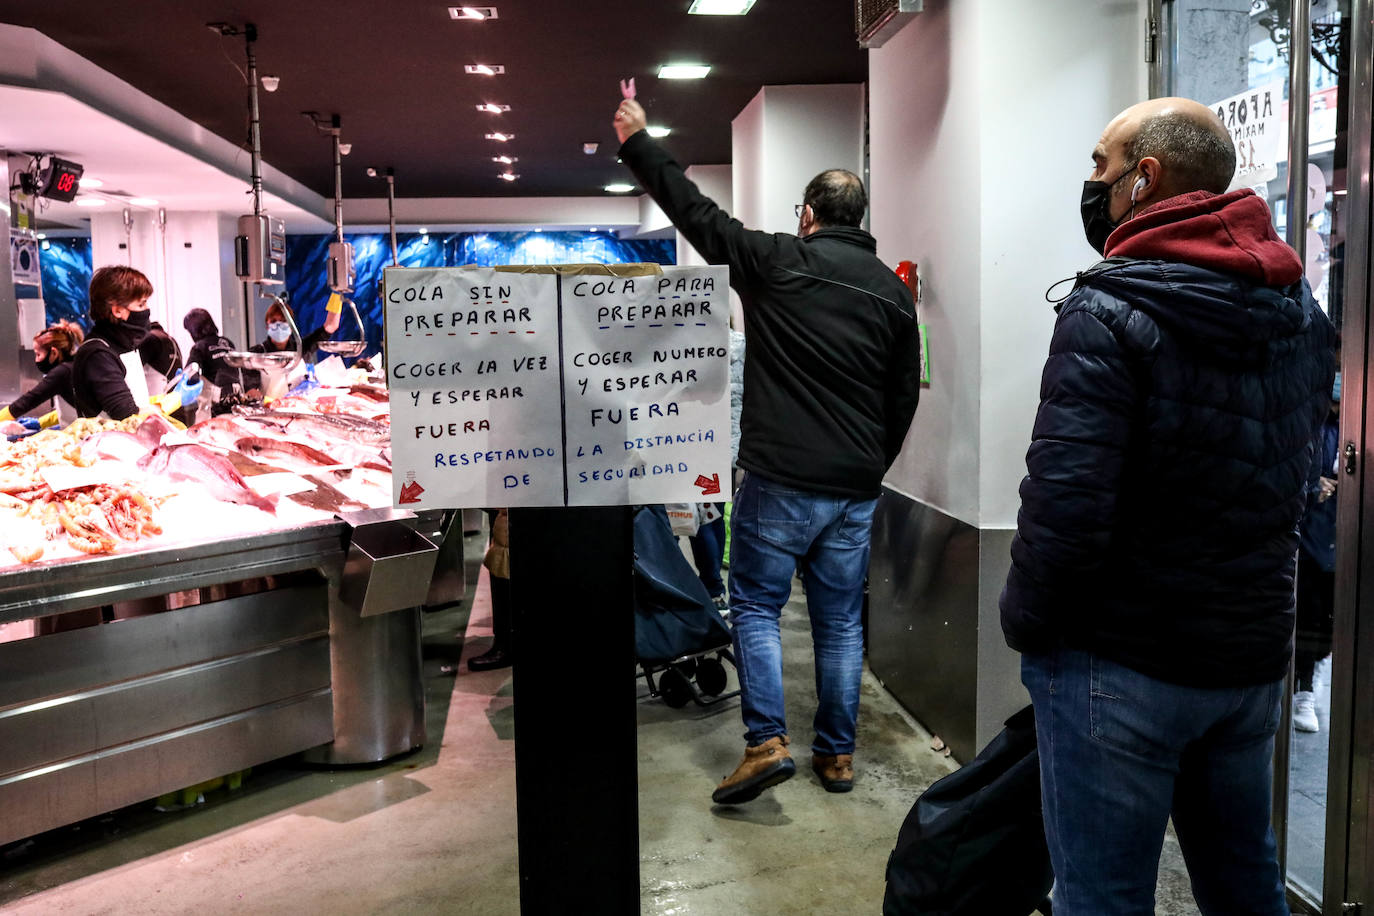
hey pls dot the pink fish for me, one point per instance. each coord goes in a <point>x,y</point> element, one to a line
<point>212,471</point>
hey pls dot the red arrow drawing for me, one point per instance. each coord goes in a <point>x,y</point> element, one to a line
<point>410,492</point>
<point>708,486</point>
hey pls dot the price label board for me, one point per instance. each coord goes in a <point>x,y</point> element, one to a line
<point>580,387</point>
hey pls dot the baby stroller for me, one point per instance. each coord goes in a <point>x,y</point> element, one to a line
<point>679,634</point>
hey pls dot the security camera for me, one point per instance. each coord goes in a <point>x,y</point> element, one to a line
<point>270,83</point>
<point>345,149</point>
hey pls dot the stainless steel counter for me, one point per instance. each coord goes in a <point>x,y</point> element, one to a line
<point>176,692</point>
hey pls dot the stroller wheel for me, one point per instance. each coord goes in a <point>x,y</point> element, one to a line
<point>675,689</point>
<point>711,676</point>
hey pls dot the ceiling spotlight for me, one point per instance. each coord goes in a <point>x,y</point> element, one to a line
<point>506,160</point>
<point>508,176</point>
<point>41,236</point>
<point>371,172</point>
<point>424,231</point>
<point>492,108</point>
<point>619,188</point>
<point>472,13</point>
<point>345,149</point>
<point>142,201</point>
<point>90,202</point>
<point>659,132</point>
<point>484,69</point>
<point>270,83</point>
<point>589,148</point>
<point>91,182</point>
<point>683,71</point>
<point>720,7</point>
<point>500,137</point>
<point>591,228</point>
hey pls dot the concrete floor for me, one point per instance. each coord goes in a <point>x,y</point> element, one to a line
<point>434,832</point>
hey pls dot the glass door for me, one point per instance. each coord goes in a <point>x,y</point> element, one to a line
<point>1271,67</point>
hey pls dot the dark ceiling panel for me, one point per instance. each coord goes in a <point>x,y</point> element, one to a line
<point>394,72</point>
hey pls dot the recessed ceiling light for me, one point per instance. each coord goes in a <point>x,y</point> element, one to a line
<point>472,13</point>
<point>540,229</point>
<point>493,108</point>
<point>500,137</point>
<point>659,132</point>
<point>508,176</point>
<point>590,148</point>
<point>619,188</point>
<point>92,183</point>
<point>41,236</point>
<point>720,7</point>
<point>424,231</point>
<point>484,69</point>
<point>142,201</point>
<point>90,201</point>
<point>591,228</point>
<point>683,71</point>
<point>506,160</point>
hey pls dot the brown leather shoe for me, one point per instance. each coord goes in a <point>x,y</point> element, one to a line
<point>763,766</point>
<point>835,770</point>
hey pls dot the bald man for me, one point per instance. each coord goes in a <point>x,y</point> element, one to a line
<point>1151,587</point>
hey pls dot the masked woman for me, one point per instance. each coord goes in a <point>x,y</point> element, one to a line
<point>53,349</point>
<point>107,374</point>
<point>280,338</point>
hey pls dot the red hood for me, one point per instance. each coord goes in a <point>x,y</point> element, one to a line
<point>1232,233</point>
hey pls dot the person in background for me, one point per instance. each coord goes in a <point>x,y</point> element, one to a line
<point>208,348</point>
<point>830,388</point>
<point>53,350</point>
<point>279,336</point>
<point>708,544</point>
<point>497,561</point>
<point>1151,585</point>
<point>1317,570</point>
<point>161,356</point>
<point>105,363</point>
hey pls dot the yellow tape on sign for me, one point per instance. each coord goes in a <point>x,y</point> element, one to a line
<point>335,304</point>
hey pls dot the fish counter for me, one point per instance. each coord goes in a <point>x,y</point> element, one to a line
<point>176,604</point>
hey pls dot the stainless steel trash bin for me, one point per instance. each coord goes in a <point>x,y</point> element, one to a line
<point>374,640</point>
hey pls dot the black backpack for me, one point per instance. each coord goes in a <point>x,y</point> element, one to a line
<point>974,842</point>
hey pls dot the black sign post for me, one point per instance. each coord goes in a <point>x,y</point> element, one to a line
<point>576,778</point>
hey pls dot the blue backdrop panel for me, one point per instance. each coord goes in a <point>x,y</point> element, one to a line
<point>307,255</point>
<point>65,266</point>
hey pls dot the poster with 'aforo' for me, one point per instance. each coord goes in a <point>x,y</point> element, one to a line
<point>558,389</point>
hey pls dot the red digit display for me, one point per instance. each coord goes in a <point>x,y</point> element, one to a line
<point>66,182</point>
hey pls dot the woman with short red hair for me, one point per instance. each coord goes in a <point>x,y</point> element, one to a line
<point>107,363</point>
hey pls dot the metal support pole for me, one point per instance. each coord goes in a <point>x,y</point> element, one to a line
<point>1299,107</point>
<point>338,180</point>
<point>250,33</point>
<point>576,758</point>
<point>391,212</point>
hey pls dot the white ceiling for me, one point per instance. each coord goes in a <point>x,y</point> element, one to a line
<point>129,162</point>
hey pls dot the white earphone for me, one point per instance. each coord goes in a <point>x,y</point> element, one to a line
<point>1135,189</point>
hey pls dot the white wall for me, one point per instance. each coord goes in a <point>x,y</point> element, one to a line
<point>716,182</point>
<point>983,115</point>
<point>190,264</point>
<point>783,138</point>
<point>1041,114</point>
<point>924,160</point>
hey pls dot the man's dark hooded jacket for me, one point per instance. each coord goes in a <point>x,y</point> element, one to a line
<point>1188,375</point>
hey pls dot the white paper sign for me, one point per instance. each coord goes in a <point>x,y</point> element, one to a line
<point>472,368</point>
<point>1255,118</point>
<point>550,390</point>
<point>647,387</point>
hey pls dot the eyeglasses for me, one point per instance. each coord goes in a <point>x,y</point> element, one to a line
<point>797,210</point>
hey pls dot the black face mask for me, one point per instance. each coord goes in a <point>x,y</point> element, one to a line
<point>47,363</point>
<point>131,332</point>
<point>1097,224</point>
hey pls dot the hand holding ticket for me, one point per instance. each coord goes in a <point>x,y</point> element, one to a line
<point>629,116</point>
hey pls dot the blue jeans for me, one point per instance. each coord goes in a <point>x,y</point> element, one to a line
<point>708,550</point>
<point>775,527</point>
<point>1120,752</point>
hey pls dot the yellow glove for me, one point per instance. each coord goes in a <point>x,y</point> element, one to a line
<point>5,415</point>
<point>48,420</point>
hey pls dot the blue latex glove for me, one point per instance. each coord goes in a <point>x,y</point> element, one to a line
<point>189,392</point>
<point>30,423</point>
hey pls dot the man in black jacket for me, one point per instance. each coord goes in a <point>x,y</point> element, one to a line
<point>1151,588</point>
<point>830,387</point>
